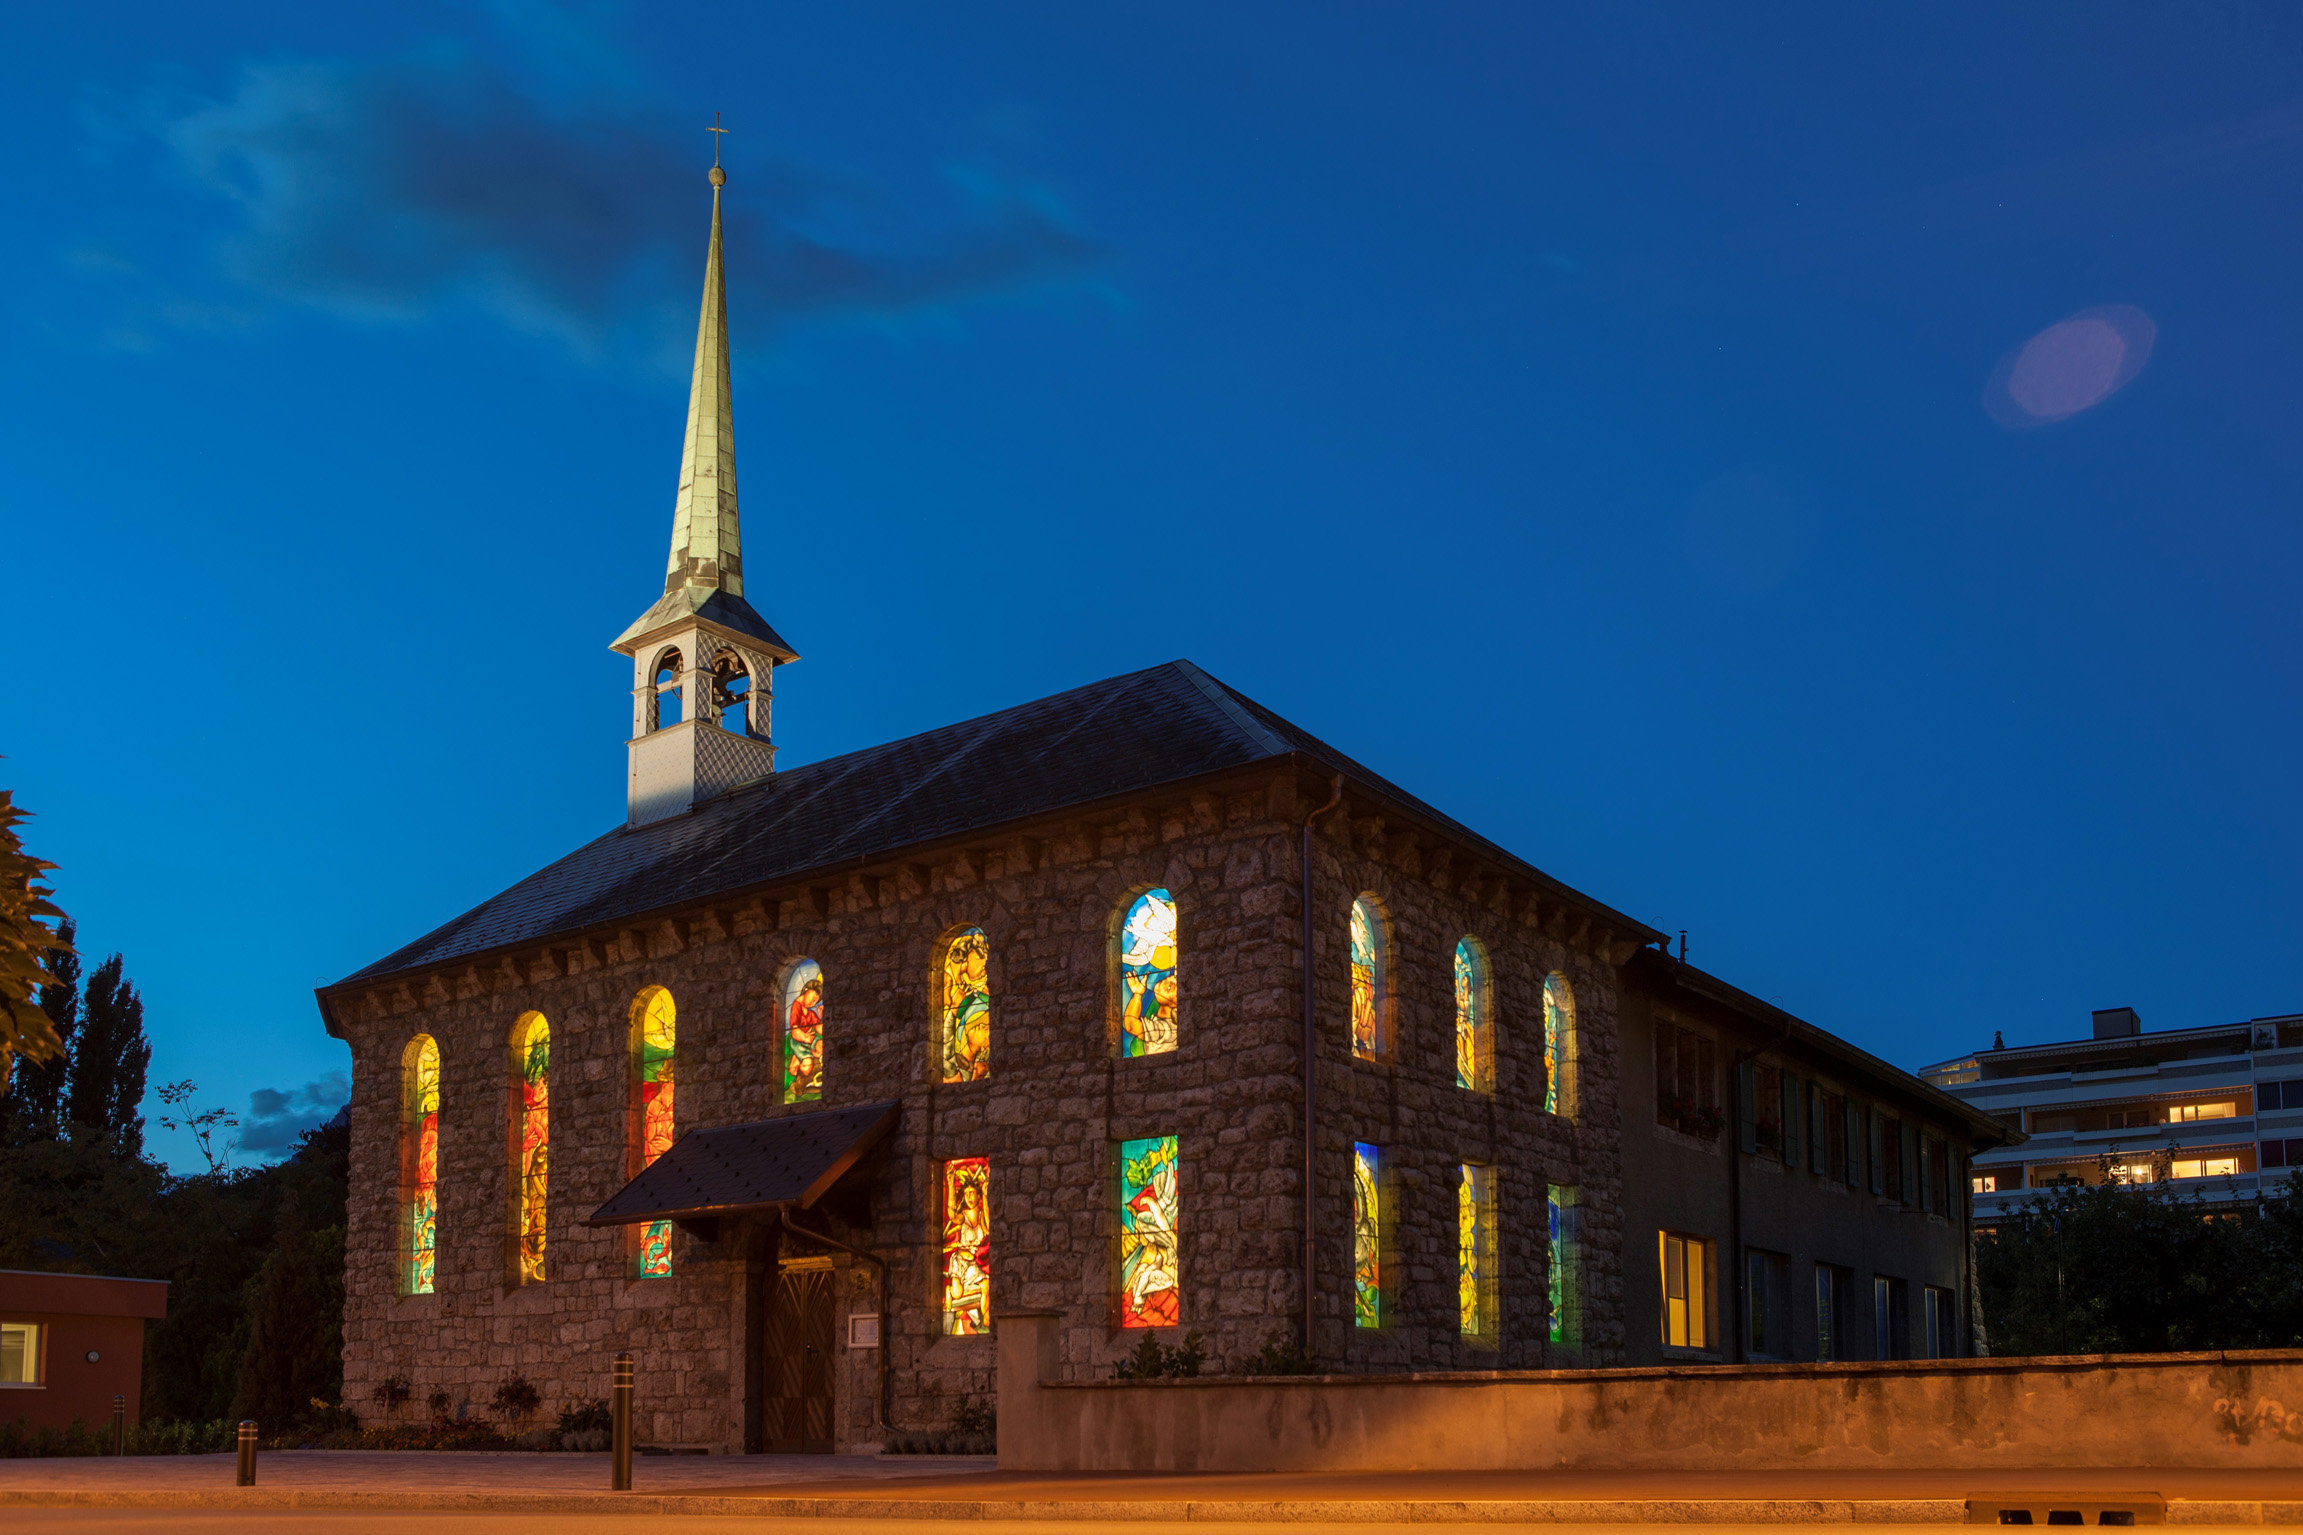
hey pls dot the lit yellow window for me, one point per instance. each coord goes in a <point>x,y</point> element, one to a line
<point>2206,1167</point>
<point>2185,1113</point>
<point>1686,1265</point>
<point>1985,1183</point>
<point>19,1353</point>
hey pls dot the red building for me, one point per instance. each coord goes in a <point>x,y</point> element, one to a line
<point>69,1343</point>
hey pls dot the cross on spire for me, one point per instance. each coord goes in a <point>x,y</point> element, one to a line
<point>716,128</point>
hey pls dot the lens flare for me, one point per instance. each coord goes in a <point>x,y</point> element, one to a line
<point>2071,366</point>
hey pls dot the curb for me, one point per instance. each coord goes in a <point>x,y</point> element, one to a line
<point>1078,1511</point>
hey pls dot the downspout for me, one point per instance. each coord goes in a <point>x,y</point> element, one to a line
<point>880,1271</point>
<point>1310,1054</point>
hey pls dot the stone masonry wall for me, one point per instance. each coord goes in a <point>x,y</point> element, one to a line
<point>1056,1101</point>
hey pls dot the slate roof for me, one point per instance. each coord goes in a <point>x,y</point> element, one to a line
<point>1122,736</point>
<point>792,1160</point>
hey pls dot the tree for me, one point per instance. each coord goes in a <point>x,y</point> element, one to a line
<point>34,1107</point>
<point>106,1088</point>
<point>27,945</point>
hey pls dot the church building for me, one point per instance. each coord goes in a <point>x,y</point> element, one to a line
<point>1136,1004</point>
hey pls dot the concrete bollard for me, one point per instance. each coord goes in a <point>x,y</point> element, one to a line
<point>119,1425</point>
<point>247,1452</point>
<point>620,1426</point>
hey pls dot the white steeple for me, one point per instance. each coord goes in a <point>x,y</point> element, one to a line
<point>701,657</point>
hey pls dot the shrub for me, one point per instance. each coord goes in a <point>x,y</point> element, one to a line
<point>586,1418</point>
<point>439,1402</point>
<point>1281,1356</point>
<point>515,1398</point>
<point>1154,1360</point>
<point>392,1394</point>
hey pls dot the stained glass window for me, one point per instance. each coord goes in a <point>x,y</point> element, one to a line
<point>1150,1291</point>
<point>804,1033</point>
<point>1565,1286</point>
<point>532,1064</point>
<point>1474,1054</point>
<point>1475,1251</point>
<point>1366,1236</point>
<point>966,1006</point>
<point>420,1157</point>
<point>1558,1046</point>
<point>1367,998</point>
<point>967,1246</point>
<point>1147,975</point>
<point>654,1037</point>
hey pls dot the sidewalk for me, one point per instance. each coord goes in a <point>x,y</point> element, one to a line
<point>857,1487</point>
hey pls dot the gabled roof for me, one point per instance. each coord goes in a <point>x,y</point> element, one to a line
<point>1165,726</point>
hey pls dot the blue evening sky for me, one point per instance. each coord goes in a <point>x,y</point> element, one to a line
<point>1823,477</point>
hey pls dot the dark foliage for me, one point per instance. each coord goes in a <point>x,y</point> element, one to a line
<point>2102,1268</point>
<point>33,1109</point>
<point>254,1260</point>
<point>1281,1356</point>
<point>1154,1360</point>
<point>104,1090</point>
<point>516,1398</point>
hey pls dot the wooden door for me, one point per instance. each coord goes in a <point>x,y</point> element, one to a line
<point>796,1406</point>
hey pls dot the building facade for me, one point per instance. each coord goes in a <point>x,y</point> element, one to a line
<point>2205,1111</point>
<point>1804,1199</point>
<point>1137,1005</point>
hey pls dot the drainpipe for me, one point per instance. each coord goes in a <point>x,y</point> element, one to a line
<point>1310,1060</point>
<point>880,1273</point>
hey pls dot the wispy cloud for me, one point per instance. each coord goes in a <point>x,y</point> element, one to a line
<point>277,1116</point>
<point>402,187</point>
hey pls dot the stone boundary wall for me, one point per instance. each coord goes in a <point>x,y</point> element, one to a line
<point>2235,1409</point>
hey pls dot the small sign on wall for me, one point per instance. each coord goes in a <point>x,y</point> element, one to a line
<point>864,1330</point>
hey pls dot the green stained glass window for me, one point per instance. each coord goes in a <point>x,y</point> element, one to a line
<point>1150,1212</point>
<point>1558,1046</point>
<point>1565,1262</point>
<point>1366,1235</point>
<point>1148,975</point>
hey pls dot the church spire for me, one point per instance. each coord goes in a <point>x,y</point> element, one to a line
<point>702,657</point>
<point>707,549</point>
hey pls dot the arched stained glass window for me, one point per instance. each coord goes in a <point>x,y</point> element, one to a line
<point>1366,1235</point>
<point>1147,975</point>
<point>803,1032</point>
<point>1369,946</point>
<point>967,1246</point>
<point>1151,1287</point>
<point>654,1040</point>
<point>964,1006</point>
<point>1558,1046</point>
<point>1474,1044</point>
<point>420,1162</point>
<point>532,1136</point>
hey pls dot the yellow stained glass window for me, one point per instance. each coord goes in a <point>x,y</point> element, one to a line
<point>1474,1052</point>
<point>420,1161</point>
<point>1367,979</point>
<point>532,1053</point>
<point>965,1006</point>
<point>967,1246</point>
<point>1475,1289</point>
<point>1558,1046</point>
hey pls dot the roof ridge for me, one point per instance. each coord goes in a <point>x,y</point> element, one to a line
<point>1221,695</point>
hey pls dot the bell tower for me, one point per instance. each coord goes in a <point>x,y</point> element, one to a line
<point>702,660</point>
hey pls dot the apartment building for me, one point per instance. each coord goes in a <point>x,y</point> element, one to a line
<point>2214,1112</point>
